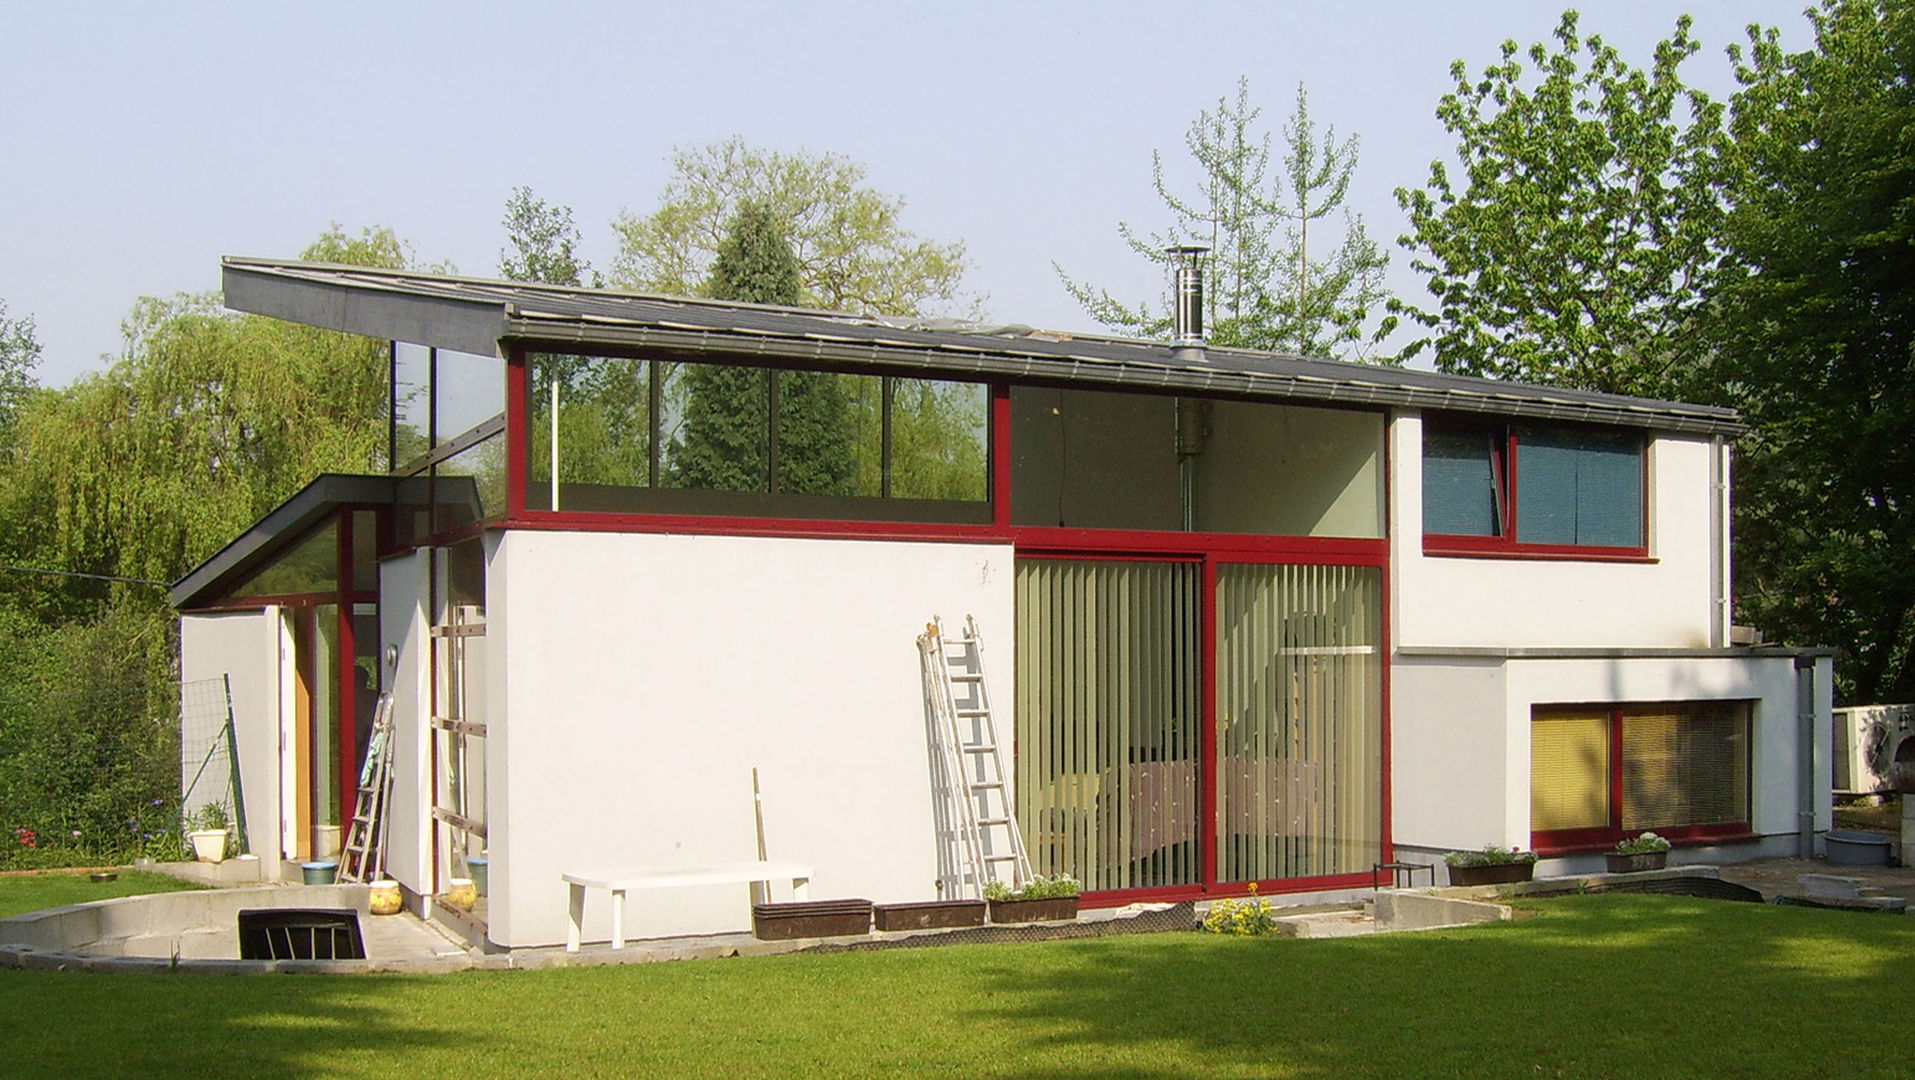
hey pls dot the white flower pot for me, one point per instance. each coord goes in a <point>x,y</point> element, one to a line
<point>209,845</point>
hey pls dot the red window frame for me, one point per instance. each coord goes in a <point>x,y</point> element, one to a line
<point>1506,460</point>
<point>1578,841</point>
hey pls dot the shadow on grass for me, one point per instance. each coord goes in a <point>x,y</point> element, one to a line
<point>1589,986</point>
<point>203,1026</point>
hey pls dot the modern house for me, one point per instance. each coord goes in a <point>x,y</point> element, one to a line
<point>1249,618</point>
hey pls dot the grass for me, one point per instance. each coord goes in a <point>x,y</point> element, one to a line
<point>1586,986</point>
<point>21,893</point>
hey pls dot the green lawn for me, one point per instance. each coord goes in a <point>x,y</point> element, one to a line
<point>1584,986</point>
<point>20,893</point>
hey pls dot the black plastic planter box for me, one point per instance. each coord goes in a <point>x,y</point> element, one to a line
<point>929,915</point>
<point>811,918</point>
<point>1493,874</point>
<point>1048,909</point>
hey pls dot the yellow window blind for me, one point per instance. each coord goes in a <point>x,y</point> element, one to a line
<point>1569,770</point>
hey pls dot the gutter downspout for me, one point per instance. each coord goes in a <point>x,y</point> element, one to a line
<point>1719,613</point>
<point>1805,755</point>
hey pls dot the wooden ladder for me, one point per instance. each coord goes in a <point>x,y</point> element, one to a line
<point>364,856</point>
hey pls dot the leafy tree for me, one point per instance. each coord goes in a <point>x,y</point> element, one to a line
<point>19,355</point>
<point>1268,287</point>
<point>1815,328</point>
<point>723,441</point>
<point>1586,230</point>
<point>207,420</point>
<point>375,246</point>
<point>852,252</point>
<point>544,243</point>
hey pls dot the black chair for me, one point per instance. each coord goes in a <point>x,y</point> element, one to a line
<point>300,934</point>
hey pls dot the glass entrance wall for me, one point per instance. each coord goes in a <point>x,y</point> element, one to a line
<point>1109,703</point>
<point>1299,760</point>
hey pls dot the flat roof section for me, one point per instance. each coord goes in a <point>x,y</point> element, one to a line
<point>478,315</point>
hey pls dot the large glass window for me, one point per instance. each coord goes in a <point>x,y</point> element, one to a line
<point>1112,771</point>
<point>631,436</point>
<point>1598,773</point>
<point>1109,716</point>
<point>1092,459</point>
<point>1299,721</point>
<point>1573,488</point>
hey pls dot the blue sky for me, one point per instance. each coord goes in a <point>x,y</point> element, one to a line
<point>143,141</point>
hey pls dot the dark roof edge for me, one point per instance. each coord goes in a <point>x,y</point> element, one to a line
<point>289,519</point>
<point>467,325</point>
<point>1455,394</point>
<point>475,315</point>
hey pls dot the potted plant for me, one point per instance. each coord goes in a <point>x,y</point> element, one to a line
<point>1645,852</point>
<point>207,829</point>
<point>1491,866</point>
<point>1040,900</point>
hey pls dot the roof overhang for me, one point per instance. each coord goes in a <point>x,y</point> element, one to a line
<point>308,507</point>
<point>484,316</point>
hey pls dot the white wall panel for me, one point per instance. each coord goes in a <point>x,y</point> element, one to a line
<point>403,626</point>
<point>244,645</point>
<point>1530,602</point>
<point>645,676</point>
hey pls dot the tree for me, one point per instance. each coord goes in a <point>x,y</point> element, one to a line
<point>544,243</point>
<point>1588,227</point>
<point>1268,288</point>
<point>206,421</point>
<point>19,355</point>
<point>723,441</point>
<point>1815,327</point>
<point>852,252</point>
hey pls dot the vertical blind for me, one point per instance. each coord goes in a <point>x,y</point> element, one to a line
<point>1299,721</point>
<point>1685,766</point>
<point>1110,777</point>
<point>1569,771</point>
<point>1579,487</point>
<point>1462,493</point>
<point>1108,707</point>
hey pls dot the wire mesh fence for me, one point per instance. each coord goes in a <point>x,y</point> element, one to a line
<point>210,792</point>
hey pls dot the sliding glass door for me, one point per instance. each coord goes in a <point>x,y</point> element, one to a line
<point>1299,762</point>
<point>1127,780</point>
<point>1109,702</point>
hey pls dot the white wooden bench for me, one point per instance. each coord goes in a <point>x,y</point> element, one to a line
<point>670,877</point>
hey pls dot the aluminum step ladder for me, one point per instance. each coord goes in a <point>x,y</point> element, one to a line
<point>988,844</point>
<point>364,856</point>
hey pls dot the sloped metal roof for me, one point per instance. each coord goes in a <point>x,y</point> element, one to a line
<point>478,315</point>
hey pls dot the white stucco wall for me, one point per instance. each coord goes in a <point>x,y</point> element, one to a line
<point>244,645</point>
<point>643,677</point>
<point>402,625</point>
<point>1529,602</point>
<point>1460,731</point>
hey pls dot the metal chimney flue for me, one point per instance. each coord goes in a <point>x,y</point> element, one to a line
<point>1187,319</point>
